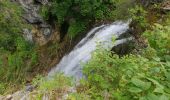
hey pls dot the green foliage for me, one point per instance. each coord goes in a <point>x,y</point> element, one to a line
<point>17,56</point>
<point>130,77</point>
<point>2,88</point>
<point>58,83</point>
<point>10,24</point>
<point>122,10</point>
<point>75,28</point>
<point>44,12</point>
<point>159,39</point>
<point>138,15</point>
<point>82,12</point>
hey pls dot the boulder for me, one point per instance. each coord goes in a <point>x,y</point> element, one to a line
<point>166,6</point>
<point>28,35</point>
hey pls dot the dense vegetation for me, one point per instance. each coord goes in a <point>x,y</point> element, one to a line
<point>80,13</point>
<point>16,54</point>
<point>143,74</point>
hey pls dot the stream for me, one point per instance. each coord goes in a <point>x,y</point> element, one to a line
<point>71,64</point>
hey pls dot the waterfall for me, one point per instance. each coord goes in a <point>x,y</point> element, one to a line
<point>71,64</point>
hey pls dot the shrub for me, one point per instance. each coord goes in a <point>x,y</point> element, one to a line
<point>17,56</point>
<point>53,87</point>
<point>138,15</point>
<point>126,78</point>
<point>80,11</point>
<point>159,39</point>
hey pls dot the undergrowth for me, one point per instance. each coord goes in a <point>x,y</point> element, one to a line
<point>17,56</point>
<point>141,76</point>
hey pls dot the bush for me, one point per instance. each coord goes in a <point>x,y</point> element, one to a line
<point>126,78</point>
<point>159,39</point>
<point>80,11</point>
<point>138,15</point>
<point>17,56</point>
<point>53,87</point>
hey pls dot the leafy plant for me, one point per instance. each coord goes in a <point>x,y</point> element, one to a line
<point>159,39</point>
<point>52,87</point>
<point>129,77</point>
<point>138,15</point>
<point>79,13</point>
<point>17,55</point>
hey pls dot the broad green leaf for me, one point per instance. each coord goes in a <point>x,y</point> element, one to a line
<point>141,84</point>
<point>135,89</point>
<point>167,74</point>
<point>164,97</point>
<point>167,57</point>
<point>152,96</point>
<point>156,59</point>
<point>159,90</point>
<point>149,96</point>
<point>155,82</point>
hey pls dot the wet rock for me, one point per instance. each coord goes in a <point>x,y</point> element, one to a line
<point>29,88</point>
<point>44,35</point>
<point>46,31</point>
<point>31,15</point>
<point>30,11</point>
<point>41,33</point>
<point>125,48</point>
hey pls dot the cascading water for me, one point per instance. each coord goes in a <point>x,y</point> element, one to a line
<point>71,64</point>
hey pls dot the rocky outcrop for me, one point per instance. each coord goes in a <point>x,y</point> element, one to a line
<point>42,31</point>
<point>42,36</point>
<point>146,3</point>
<point>166,6</point>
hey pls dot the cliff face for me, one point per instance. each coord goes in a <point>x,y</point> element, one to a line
<point>42,32</point>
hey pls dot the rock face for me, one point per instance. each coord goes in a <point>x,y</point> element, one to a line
<point>166,5</point>
<point>146,3</point>
<point>42,31</point>
<point>31,11</point>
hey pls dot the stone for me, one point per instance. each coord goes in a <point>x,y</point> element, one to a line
<point>166,6</point>
<point>31,15</point>
<point>1,97</point>
<point>29,88</point>
<point>28,35</point>
<point>46,31</point>
<point>8,97</point>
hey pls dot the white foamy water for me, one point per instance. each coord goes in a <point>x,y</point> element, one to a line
<point>71,64</point>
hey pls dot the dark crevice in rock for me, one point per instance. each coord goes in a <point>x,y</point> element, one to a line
<point>63,30</point>
<point>125,48</point>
